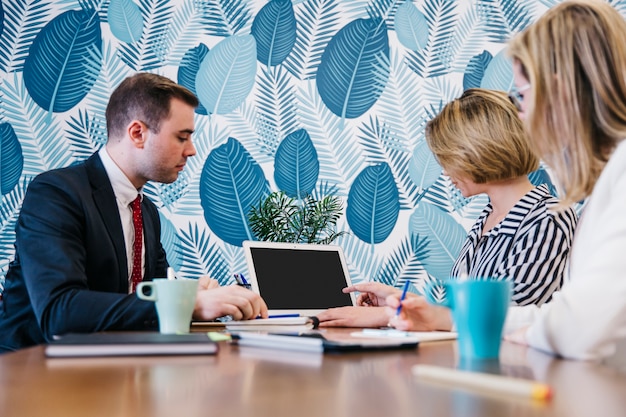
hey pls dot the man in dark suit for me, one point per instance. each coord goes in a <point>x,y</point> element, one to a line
<point>74,237</point>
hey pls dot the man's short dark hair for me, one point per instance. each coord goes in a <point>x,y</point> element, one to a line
<point>146,97</point>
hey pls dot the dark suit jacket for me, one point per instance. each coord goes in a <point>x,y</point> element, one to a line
<point>70,271</point>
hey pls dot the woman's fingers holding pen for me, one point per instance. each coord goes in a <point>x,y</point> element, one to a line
<point>371,293</point>
<point>417,314</point>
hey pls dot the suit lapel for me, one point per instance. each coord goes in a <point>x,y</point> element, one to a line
<point>104,199</point>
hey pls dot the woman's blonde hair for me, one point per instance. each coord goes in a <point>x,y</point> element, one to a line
<point>480,136</point>
<point>574,57</point>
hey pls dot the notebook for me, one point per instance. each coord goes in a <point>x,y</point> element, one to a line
<point>296,278</point>
<point>130,344</point>
<point>319,342</point>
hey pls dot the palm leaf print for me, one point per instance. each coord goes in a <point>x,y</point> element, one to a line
<point>411,27</point>
<point>230,184</point>
<point>276,108</point>
<point>125,20</point>
<point>82,134</point>
<point>225,17</point>
<point>404,263</point>
<point>61,66</point>
<point>317,21</point>
<point>22,22</point>
<point>227,74</point>
<point>274,29</point>
<point>435,59</point>
<point>539,177</point>
<point>354,68</point>
<point>424,169</point>
<point>373,204</point>
<point>503,18</point>
<point>445,237</point>
<point>9,212</point>
<point>475,70</point>
<point>145,54</point>
<point>200,257</point>
<point>296,166</point>
<point>188,69</point>
<point>499,73</point>
<point>11,158</point>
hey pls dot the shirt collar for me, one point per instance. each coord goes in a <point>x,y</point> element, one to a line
<point>123,189</point>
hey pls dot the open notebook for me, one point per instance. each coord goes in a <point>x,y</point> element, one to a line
<point>302,279</point>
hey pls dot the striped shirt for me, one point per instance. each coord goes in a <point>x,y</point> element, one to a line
<point>530,246</point>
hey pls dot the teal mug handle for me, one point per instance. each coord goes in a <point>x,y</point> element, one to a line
<point>431,287</point>
<point>148,297</point>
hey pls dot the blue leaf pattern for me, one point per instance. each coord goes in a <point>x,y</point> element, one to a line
<point>354,68</point>
<point>125,20</point>
<point>274,29</point>
<point>424,169</point>
<point>188,70</point>
<point>475,70</point>
<point>411,27</point>
<point>539,177</point>
<point>296,166</point>
<point>373,204</point>
<point>170,242</point>
<point>11,158</point>
<point>499,73</point>
<point>231,183</point>
<point>62,66</point>
<point>227,74</point>
<point>445,237</point>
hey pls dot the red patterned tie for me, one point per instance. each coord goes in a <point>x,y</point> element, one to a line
<point>136,276</point>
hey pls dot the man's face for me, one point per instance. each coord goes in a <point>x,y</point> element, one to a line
<point>166,152</point>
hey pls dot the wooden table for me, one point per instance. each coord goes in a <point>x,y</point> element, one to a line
<point>263,382</point>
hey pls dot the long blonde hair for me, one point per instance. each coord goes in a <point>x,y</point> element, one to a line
<point>574,57</point>
<point>480,136</point>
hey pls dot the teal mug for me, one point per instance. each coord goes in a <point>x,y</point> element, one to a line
<point>479,308</point>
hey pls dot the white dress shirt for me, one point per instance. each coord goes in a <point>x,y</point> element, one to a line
<point>125,194</point>
<point>587,319</point>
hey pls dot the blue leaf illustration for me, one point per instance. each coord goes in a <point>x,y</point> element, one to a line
<point>64,61</point>
<point>424,169</point>
<point>170,242</point>
<point>1,18</point>
<point>445,237</point>
<point>296,166</point>
<point>11,158</point>
<point>476,69</point>
<point>274,29</point>
<point>373,204</point>
<point>499,73</point>
<point>227,74</point>
<point>125,20</point>
<point>230,184</point>
<point>188,69</point>
<point>411,27</point>
<point>539,177</point>
<point>354,68</point>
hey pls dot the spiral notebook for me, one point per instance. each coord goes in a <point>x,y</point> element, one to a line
<point>303,279</point>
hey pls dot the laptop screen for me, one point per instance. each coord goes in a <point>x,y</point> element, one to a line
<point>298,276</point>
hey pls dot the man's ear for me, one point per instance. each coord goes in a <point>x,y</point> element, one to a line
<point>137,133</point>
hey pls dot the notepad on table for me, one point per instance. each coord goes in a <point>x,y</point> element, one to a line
<point>399,334</point>
<point>130,344</point>
<point>277,324</point>
<point>318,342</point>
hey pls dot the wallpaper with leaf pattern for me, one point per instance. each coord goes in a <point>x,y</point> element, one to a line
<point>303,96</point>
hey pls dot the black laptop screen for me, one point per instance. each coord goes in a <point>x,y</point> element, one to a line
<point>300,279</point>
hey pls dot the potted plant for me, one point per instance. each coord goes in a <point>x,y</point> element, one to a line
<point>280,218</point>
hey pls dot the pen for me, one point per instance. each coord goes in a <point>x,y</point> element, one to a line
<point>498,384</point>
<point>280,316</point>
<point>403,296</point>
<point>238,279</point>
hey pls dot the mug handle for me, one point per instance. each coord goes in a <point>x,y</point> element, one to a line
<point>152,296</point>
<point>431,287</point>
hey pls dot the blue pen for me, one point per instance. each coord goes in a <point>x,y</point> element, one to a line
<point>244,281</point>
<point>403,296</point>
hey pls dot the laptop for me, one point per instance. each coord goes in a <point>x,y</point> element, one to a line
<point>296,278</point>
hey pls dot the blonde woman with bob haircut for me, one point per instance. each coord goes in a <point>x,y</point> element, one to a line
<point>480,142</point>
<point>572,66</point>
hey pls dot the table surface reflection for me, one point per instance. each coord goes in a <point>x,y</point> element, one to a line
<point>242,381</point>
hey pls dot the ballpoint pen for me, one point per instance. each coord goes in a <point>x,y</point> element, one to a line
<point>403,296</point>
